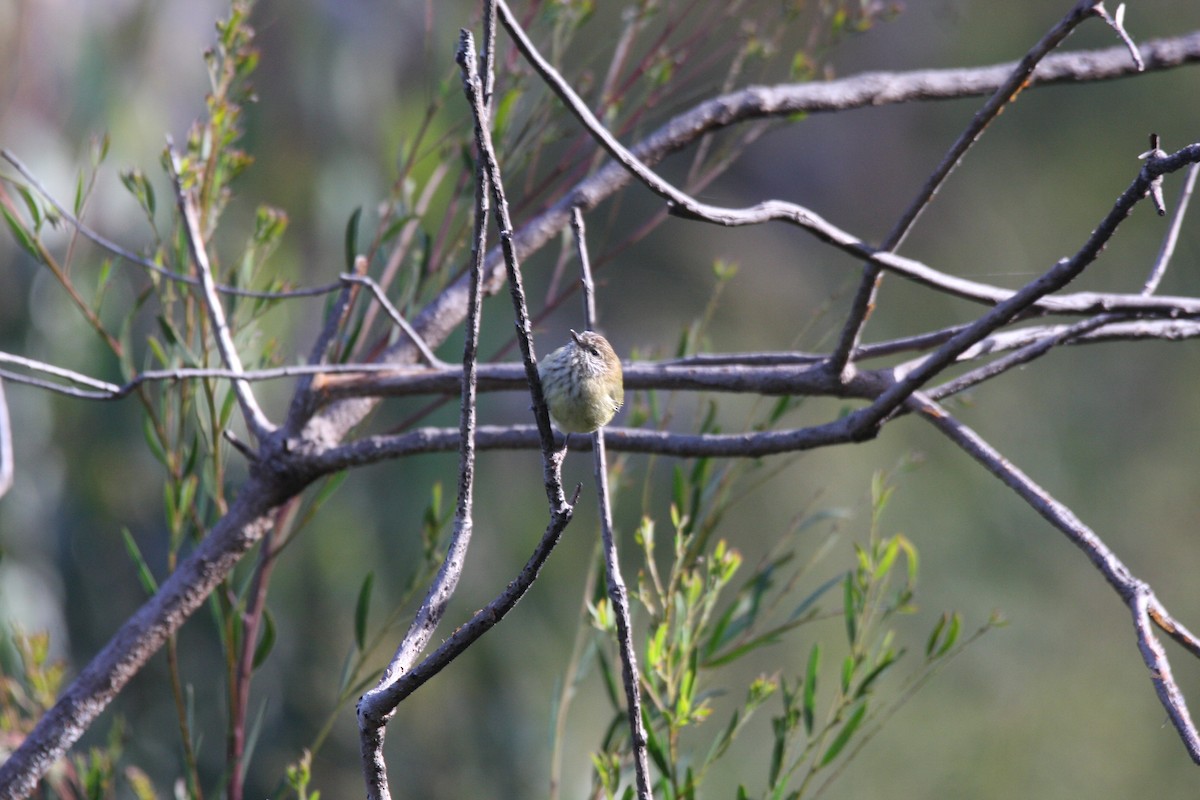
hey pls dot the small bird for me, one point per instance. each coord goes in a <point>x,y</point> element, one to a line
<point>583,383</point>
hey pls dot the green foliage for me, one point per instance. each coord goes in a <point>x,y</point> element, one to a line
<point>29,684</point>
<point>703,615</point>
<point>299,775</point>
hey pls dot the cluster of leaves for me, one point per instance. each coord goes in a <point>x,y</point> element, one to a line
<point>703,617</point>
<point>166,326</point>
<point>29,684</point>
<point>706,620</point>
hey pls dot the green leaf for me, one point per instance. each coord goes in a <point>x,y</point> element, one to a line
<point>227,408</point>
<point>394,227</point>
<point>849,610</point>
<point>654,747</point>
<point>347,673</point>
<point>611,684</point>
<point>502,111</point>
<point>951,635</point>
<point>361,609</point>
<point>23,237</point>
<point>187,491</point>
<point>812,598</point>
<point>35,211</point>
<point>145,576</point>
<point>152,441</point>
<point>782,405</point>
<point>352,238</point>
<point>810,687</point>
<point>889,557</point>
<point>777,751</point>
<point>102,278</point>
<point>266,640</point>
<point>888,660</point>
<point>769,637</point>
<point>254,732</point>
<point>679,491</point>
<point>722,742</point>
<point>849,665</point>
<point>79,195</point>
<point>843,736</point>
<point>137,185</point>
<point>934,635</point>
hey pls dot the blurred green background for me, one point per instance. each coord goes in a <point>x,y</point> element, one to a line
<point>1056,705</point>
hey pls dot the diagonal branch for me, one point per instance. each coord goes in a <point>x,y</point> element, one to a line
<point>1058,276</point>
<point>1006,93</point>
<point>444,313</point>
<point>1135,593</point>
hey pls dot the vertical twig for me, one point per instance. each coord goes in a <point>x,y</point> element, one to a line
<point>552,458</point>
<point>489,55</point>
<point>446,581</point>
<point>239,690</point>
<point>617,593</point>
<point>7,462</point>
<point>585,268</point>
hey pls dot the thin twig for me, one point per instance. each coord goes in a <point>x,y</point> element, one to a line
<point>1005,94</point>
<point>112,391</point>
<point>585,269</point>
<point>422,347</point>
<point>7,460</point>
<point>552,457</point>
<point>617,593</point>
<point>145,263</point>
<point>1117,23</point>
<point>1172,237</point>
<point>251,619</point>
<point>1058,276</point>
<point>254,417</point>
<point>1019,357</point>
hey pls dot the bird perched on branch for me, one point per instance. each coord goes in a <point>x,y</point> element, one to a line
<point>583,383</point>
